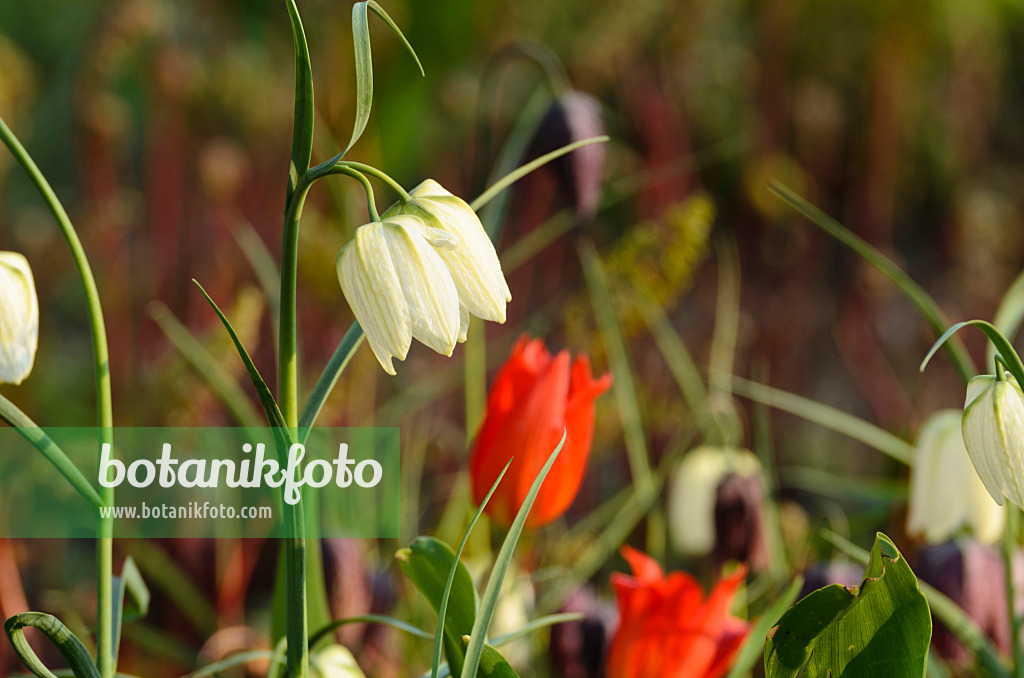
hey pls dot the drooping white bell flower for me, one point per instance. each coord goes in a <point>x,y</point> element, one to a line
<point>693,492</point>
<point>945,491</point>
<point>993,427</point>
<point>473,261</point>
<point>19,318</point>
<point>399,287</point>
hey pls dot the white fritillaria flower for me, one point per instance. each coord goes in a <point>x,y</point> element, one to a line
<point>693,493</point>
<point>473,261</point>
<point>399,287</point>
<point>993,427</point>
<point>945,491</point>
<point>335,661</point>
<point>19,318</point>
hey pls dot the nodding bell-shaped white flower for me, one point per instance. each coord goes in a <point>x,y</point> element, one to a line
<point>473,262</point>
<point>19,318</point>
<point>693,492</point>
<point>399,287</point>
<point>993,426</point>
<point>945,491</point>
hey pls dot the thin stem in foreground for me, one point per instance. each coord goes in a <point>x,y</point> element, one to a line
<point>1009,547</point>
<point>104,402</point>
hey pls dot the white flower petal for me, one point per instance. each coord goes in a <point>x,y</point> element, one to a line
<point>945,490</point>
<point>372,287</point>
<point>993,428</point>
<point>19,318</point>
<point>473,262</point>
<point>430,293</point>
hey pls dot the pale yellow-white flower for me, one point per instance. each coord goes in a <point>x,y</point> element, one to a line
<point>335,661</point>
<point>399,287</point>
<point>473,261</point>
<point>693,492</point>
<point>19,318</point>
<point>993,426</point>
<point>945,491</point>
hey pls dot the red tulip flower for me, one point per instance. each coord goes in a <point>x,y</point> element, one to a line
<point>667,628</point>
<point>534,397</point>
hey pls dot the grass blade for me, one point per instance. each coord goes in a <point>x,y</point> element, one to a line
<point>302,127</point>
<point>329,378</point>
<point>489,601</point>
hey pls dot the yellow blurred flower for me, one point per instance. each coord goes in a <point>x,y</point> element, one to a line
<point>19,318</point>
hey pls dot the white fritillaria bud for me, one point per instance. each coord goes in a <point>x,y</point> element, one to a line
<point>19,318</point>
<point>993,426</point>
<point>945,491</point>
<point>473,262</point>
<point>399,287</point>
<point>335,661</point>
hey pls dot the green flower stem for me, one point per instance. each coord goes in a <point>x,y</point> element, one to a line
<point>1009,547</point>
<point>104,406</point>
<point>374,172</point>
<point>288,388</point>
<point>371,204</point>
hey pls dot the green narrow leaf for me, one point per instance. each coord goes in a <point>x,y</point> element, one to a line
<point>436,569</point>
<point>536,625</point>
<point>302,127</point>
<point>273,412</point>
<point>131,600</point>
<point>828,417</point>
<point>475,649</point>
<point>367,619</point>
<point>231,662</point>
<point>329,378</point>
<point>926,306</point>
<point>882,628</point>
<point>624,388</point>
<point>1003,346</point>
<point>206,366</point>
<point>1009,315</point>
<point>517,174</point>
<point>753,646</point>
<point>37,437</point>
<point>167,576</point>
<point>265,268</point>
<point>67,644</point>
<point>364,62</point>
<point>492,664</point>
<point>453,572</point>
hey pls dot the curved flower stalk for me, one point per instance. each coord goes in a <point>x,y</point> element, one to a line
<point>667,627</point>
<point>945,491</point>
<point>19,318</point>
<point>473,261</point>
<point>534,398</point>
<point>399,287</point>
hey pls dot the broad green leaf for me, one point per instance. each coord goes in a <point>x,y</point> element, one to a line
<point>67,644</point>
<point>753,646</point>
<point>429,563</point>
<point>881,628</point>
<point>364,62</point>
<point>475,649</point>
<point>492,664</point>
<point>926,306</point>
<point>131,599</point>
<point>302,127</point>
